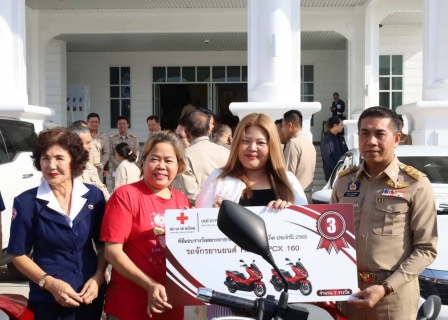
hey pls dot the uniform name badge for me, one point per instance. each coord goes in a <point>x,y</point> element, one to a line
<point>317,239</point>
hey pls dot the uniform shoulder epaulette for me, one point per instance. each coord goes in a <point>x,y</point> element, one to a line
<point>103,133</point>
<point>114,135</point>
<point>347,171</point>
<point>131,135</point>
<point>411,171</point>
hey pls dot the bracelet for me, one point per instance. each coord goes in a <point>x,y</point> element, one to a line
<point>387,288</point>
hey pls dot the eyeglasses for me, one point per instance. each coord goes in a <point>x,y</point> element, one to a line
<point>181,136</point>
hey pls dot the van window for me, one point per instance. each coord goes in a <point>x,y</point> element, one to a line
<point>21,134</point>
<point>7,151</point>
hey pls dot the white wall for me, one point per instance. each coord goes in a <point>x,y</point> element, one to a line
<point>93,69</point>
<point>406,41</point>
<point>56,81</point>
<point>330,75</point>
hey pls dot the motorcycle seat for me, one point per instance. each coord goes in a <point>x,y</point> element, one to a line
<point>237,274</point>
<point>285,273</point>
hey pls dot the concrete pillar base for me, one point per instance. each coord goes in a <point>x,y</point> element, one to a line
<point>33,114</point>
<point>351,133</point>
<point>429,122</point>
<point>275,110</point>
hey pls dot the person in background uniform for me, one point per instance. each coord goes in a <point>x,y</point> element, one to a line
<point>2,208</point>
<point>278,124</point>
<point>180,133</point>
<point>333,146</point>
<point>89,174</point>
<point>406,139</point>
<point>395,222</point>
<point>120,137</point>
<point>60,221</point>
<point>127,172</point>
<point>153,123</point>
<point>337,106</point>
<point>134,232</point>
<point>188,108</point>
<point>300,154</point>
<point>223,136</point>
<point>202,156</point>
<point>99,154</point>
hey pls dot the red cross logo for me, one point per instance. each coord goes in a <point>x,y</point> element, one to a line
<point>182,218</point>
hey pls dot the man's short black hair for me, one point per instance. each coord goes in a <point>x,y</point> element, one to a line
<point>93,115</point>
<point>333,121</point>
<point>278,122</point>
<point>336,94</point>
<point>153,118</point>
<point>295,117</point>
<point>382,112</point>
<point>122,118</point>
<point>197,123</point>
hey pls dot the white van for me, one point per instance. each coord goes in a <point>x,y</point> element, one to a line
<point>17,173</point>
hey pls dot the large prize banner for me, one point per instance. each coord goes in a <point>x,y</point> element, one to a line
<point>313,245</point>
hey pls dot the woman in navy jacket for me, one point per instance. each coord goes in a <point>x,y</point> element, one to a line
<point>57,221</point>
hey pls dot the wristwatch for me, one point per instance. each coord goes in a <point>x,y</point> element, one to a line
<point>42,281</point>
<point>387,288</point>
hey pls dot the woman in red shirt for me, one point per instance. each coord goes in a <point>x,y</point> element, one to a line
<point>134,232</point>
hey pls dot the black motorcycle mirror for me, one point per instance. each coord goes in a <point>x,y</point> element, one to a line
<point>241,260</point>
<point>248,231</point>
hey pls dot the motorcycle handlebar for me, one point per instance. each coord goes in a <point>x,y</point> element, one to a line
<point>210,296</point>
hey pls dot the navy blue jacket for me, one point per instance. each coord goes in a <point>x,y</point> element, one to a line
<point>63,251</point>
<point>332,148</point>
<point>339,110</point>
<point>2,204</point>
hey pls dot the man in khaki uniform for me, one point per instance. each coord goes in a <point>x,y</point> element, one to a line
<point>99,154</point>
<point>223,136</point>
<point>202,156</point>
<point>299,151</point>
<point>90,174</point>
<point>115,139</point>
<point>395,222</point>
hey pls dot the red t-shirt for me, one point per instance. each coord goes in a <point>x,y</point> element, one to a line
<point>135,216</point>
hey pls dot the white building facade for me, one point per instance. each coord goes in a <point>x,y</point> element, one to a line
<point>138,58</point>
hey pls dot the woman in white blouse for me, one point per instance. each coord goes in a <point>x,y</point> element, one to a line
<point>127,172</point>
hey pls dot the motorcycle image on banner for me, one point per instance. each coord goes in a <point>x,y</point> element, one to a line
<point>236,280</point>
<point>297,282</point>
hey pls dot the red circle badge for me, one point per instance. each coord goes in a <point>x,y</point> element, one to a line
<point>331,227</point>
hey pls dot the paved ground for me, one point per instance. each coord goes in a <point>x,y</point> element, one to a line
<point>8,285</point>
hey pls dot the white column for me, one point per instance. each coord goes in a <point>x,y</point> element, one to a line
<point>12,53</point>
<point>274,62</point>
<point>435,51</point>
<point>428,119</point>
<point>13,83</point>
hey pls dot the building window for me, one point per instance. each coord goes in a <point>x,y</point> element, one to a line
<point>120,94</point>
<point>307,82</point>
<point>391,81</point>
<point>199,74</point>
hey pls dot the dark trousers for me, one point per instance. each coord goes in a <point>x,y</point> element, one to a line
<point>54,311</point>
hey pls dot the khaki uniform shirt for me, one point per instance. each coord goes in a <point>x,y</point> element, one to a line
<point>127,172</point>
<point>300,158</point>
<point>395,220</point>
<point>202,157</point>
<point>116,139</point>
<point>405,139</point>
<point>223,144</point>
<point>90,176</point>
<point>99,154</point>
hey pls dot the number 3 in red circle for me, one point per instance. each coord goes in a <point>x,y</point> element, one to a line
<point>331,225</point>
